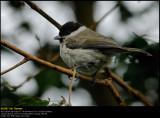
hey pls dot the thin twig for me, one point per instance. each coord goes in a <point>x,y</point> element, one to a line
<point>114,92</point>
<point>55,57</point>
<point>15,66</point>
<point>93,26</point>
<point>40,11</point>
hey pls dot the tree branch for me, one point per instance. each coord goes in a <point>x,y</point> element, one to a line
<point>114,92</point>
<point>15,66</point>
<point>40,11</point>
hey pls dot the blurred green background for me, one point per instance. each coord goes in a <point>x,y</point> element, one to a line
<point>132,24</point>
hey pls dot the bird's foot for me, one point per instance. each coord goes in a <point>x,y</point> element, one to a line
<point>77,76</point>
<point>92,83</point>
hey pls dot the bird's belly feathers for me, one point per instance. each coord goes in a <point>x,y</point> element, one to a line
<point>88,61</point>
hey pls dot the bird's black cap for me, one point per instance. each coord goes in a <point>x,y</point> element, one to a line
<point>68,28</point>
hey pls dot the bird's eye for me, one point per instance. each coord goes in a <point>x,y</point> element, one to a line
<point>68,32</point>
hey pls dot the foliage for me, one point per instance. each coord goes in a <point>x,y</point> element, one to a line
<point>36,101</point>
<point>32,101</point>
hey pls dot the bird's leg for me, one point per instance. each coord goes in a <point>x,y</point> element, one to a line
<point>94,75</point>
<point>77,74</point>
<point>94,78</point>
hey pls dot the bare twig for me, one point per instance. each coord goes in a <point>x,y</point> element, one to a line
<point>93,26</point>
<point>40,11</point>
<point>114,92</point>
<point>55,57</point>
<point>15,66</point>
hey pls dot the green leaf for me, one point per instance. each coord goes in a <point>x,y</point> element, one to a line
<point>32,101</point>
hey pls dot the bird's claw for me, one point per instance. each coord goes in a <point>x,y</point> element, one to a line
<point>93,82</point>
<point>76,76</point>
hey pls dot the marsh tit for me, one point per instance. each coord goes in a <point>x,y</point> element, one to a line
<point>87,50</point>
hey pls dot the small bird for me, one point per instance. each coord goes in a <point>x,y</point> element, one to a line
<point>87,50</point>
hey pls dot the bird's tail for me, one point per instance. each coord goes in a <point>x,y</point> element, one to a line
<point>136,50</point>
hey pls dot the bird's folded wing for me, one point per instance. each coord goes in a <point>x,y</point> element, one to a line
<point>92,42</point>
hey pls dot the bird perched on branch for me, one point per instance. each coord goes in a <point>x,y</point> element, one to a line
<point>87,50</point>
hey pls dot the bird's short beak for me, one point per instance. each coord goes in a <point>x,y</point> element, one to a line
<point>57,38</point>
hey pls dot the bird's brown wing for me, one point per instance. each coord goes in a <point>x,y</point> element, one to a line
<point>92,40</point>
